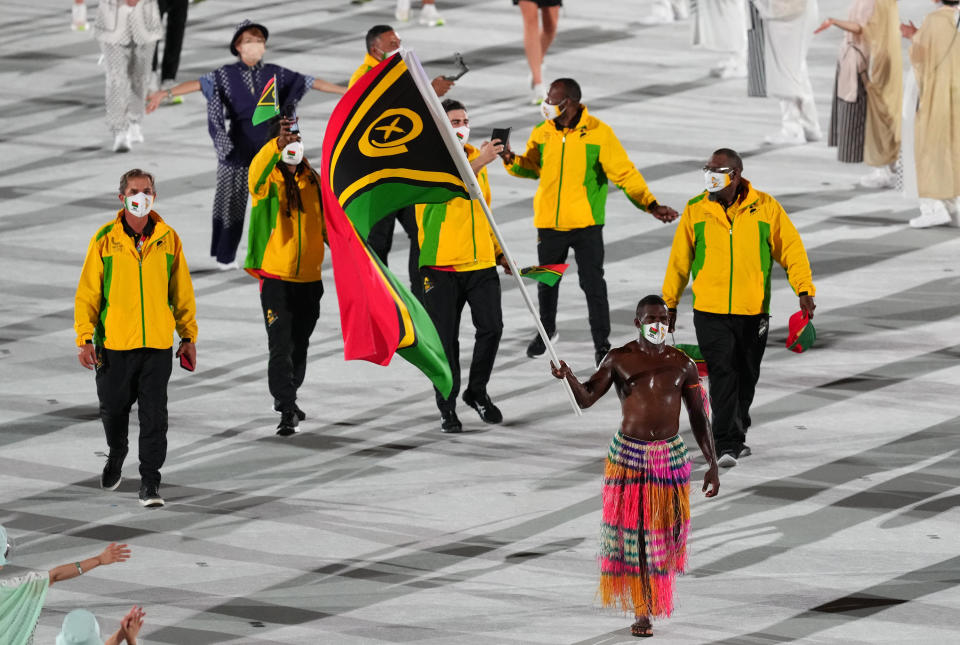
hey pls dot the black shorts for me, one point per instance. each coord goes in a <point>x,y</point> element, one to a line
<point>543,3</point>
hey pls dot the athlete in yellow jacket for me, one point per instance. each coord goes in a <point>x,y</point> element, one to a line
<point>727,240</point>
<point>285,251</point>
<point>134,290</point>
<point>458,259</point>
<point>574,156</point>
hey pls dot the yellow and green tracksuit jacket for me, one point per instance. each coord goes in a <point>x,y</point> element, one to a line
<point>278,246</point>
<point>730,254</point>
<point>369,62</point>
<point>128,299</point>
<point>456,233</point>
<point>574,166</point>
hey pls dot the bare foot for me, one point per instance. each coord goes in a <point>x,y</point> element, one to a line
<point>642,627</point>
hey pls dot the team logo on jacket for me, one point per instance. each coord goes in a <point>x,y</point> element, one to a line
<point>390,132</point>
<point>427,284</point>
<point>116,246</point>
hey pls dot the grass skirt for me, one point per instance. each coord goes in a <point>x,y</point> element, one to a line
<point>646,518</point>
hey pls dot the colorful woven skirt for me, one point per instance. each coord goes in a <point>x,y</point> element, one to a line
<point>646,518</point>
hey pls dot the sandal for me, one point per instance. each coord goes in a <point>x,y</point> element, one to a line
<point>642,628</point>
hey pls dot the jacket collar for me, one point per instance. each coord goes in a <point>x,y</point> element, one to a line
<point>583,123</point>
<point>370,61</point>
<point>750,195</point>
<point>156,223</point>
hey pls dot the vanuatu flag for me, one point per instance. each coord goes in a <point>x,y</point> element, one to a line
<point>267,106</point>
<point>548,274</point>
<point>382,151</point>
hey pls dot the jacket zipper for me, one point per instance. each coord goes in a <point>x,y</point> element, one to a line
<point>730,291</point>
<point>563,147</point>
<point>143,316</point>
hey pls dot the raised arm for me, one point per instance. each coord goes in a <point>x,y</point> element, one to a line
<point>590,391</point>
<point>113,553</point>
<point>525,165</point>
<point>693,399</point>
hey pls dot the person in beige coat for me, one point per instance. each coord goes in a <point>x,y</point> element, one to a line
<point>935,54</point>
<point>865,120</point>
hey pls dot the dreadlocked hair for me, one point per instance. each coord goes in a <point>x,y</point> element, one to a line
<point>292,190</point>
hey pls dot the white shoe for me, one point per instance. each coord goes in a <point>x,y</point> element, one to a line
<point>881,177</point>
<point>727,460</point>
<point>810,136</point>
<point>786,137</point>
<point>735,70</point>
<point>402,12</point>
<point>227,266</point>
<point>430,17</point>
<point>134,135</point>
<point>932,213</point>
<point>121,142</point>
<point>538,94</point>
<point>79,18</point>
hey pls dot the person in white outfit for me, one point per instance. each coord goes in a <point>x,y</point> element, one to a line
<point>667,11</point>
<point>127,31</point>
<point>787,30</point>
<point>721,26</point>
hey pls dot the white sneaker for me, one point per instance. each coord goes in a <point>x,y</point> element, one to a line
<point>932,213</point>
<point>402,12</point>
<point>134,135</point>
<point>727,460</point>
<point>79,18</point>
<point>538,94</point>
<point>786,137</point>
<point>121,142</point>
<point>227,266</point>
<point>881,177</point>
<point>430,17</point>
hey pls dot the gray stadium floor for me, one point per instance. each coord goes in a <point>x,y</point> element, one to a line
<point>370,526</point>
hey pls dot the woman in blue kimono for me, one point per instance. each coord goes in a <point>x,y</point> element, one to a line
<point>232,92</point>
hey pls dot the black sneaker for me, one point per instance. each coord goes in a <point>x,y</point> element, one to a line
<point>296,408</point>
<point>537,347</point>
<point>450,423</point>
<point>110,479</point>
<point>484,406</point>
<point>150,495</point>
<point>600,354</point>
<point>289,423</point>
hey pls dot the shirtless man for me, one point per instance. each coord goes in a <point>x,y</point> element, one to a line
<point>646,485</point>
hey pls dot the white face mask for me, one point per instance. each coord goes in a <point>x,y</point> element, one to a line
<point>292,153</point>
<point>138,205</point>
<point>463,133</point>
<point>251,53</point>
<point>716,181</point>
<point>550,111</point>
<point>655,333</point>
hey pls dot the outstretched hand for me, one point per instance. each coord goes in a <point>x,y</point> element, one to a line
<point>711,481</point>
<point>908,30</point>
<point>664,213</point>
<point>826,24</point>
<point>114,553</point>
<point>560,372</point>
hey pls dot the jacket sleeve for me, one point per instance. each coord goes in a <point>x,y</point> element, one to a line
<point>216,114</point>
<point>260,168</point>
<point>528,164</point>
<point>787,249</point>
<point>681,259</point>
<point>89,298</point>
<point>182,301</point>
<point>625,176</point>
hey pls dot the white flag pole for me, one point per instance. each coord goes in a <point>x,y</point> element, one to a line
<point>455,148</point>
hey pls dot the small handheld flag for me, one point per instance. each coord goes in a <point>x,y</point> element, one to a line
<point>268,106</point>
<point>548,274</point>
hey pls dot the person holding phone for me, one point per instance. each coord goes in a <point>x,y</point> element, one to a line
<point>573,155</point>
<point>285,252</point>
<point>458,258</point>
<point>134,291</point>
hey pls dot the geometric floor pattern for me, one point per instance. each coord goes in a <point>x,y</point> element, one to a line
<point>371,526</point>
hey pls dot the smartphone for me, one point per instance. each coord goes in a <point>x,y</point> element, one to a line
<point>461,68</point>
<point>185,363</point>
<point>290,112</point>
<point>503,134</point>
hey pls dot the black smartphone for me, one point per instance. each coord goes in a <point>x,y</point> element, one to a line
<point>290,112</point>
<point>503,134</point>
<point>461,68</point>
